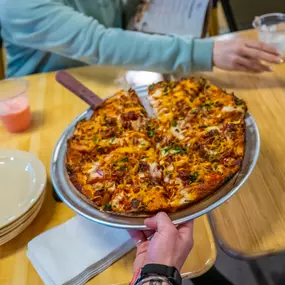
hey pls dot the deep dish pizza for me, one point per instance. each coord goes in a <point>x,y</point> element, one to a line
<point>129,163</point>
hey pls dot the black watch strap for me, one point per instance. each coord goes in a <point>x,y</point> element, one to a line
<point>170,272</point>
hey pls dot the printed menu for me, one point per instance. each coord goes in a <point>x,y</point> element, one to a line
<point>180,17</point>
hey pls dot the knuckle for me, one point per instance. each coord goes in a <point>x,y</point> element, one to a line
<point>142,248</point>
<point>239,48</point>
<point>172,231</point>
<point>262,45</point>
<point>162,214</point>
<point>271,57</point>
<point>258,54</point>
<point>235,60</point>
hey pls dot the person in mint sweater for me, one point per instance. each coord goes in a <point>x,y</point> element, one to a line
<point>48,35</point>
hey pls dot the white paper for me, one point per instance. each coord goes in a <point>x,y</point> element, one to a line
<point>76,250</point>
<point>181,17</point>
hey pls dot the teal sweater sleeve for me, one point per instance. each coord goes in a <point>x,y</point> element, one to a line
<point>53,27</point>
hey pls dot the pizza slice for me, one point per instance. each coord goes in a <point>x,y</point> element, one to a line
<point>103,132</point>
<point>203,137</point>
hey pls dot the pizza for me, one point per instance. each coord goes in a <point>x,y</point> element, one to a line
<point>129,163</point>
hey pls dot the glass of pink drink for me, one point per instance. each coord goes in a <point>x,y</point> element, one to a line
<point>15,111</point>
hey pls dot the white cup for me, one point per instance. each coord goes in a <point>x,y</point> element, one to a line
<point>271,30</point>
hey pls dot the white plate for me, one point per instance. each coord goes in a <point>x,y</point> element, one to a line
<point>22,181</point>
<point>17,223</point>
<point>4,239</point>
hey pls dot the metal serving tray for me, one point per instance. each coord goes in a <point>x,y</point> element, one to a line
<point>70,196</point>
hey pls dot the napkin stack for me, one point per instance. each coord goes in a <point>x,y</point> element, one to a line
<point>76,251</point>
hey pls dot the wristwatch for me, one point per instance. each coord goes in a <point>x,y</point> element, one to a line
<point>152,269</point>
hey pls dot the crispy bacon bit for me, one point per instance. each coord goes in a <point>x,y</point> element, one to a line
<point>203,151</point>
<point>187,176</point>
<point>132,115</point>
<point>211,133</point>
<point>135,203</point>
<point>102,150</point>
<point>183,175</point>
<point>180,104</point>
<point>129,181</point>
<point>99,192</point>
<point>126,124</point>
<point>143,166</point>
<point>106,198</point>
<point>169,159</point>
<point>219,104</point>
<point>110,121</point>
<point>230,127</point>
<point>136,190</point>
<point>196,146</point>
<point>108,133</point>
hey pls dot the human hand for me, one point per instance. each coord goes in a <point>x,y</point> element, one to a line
<point>244,55</point>
<point>169,245</point>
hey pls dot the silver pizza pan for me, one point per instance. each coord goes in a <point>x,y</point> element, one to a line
<point>72,198</point>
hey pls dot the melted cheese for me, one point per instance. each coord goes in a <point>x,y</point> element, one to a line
<point>177,133</point>
<point>232,109</point>
<point>94,167</point>
<point>154,171</point>
<point>116,200</point>
<point>127,162</point>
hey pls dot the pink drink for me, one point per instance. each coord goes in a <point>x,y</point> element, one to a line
<point>14,106</point>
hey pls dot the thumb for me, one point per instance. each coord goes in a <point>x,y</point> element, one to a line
<point>160,223</point>
<point>151,223</point>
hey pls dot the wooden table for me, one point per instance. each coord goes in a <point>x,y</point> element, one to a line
<point>252,222</point>
<point>53,109</point>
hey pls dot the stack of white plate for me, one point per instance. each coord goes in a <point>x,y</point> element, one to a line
<point>22,191</point>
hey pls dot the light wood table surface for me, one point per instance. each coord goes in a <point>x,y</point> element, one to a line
<point>252,222</point>
<point>53,109</point>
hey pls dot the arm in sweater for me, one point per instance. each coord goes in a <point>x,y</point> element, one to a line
<point>51,26</point>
